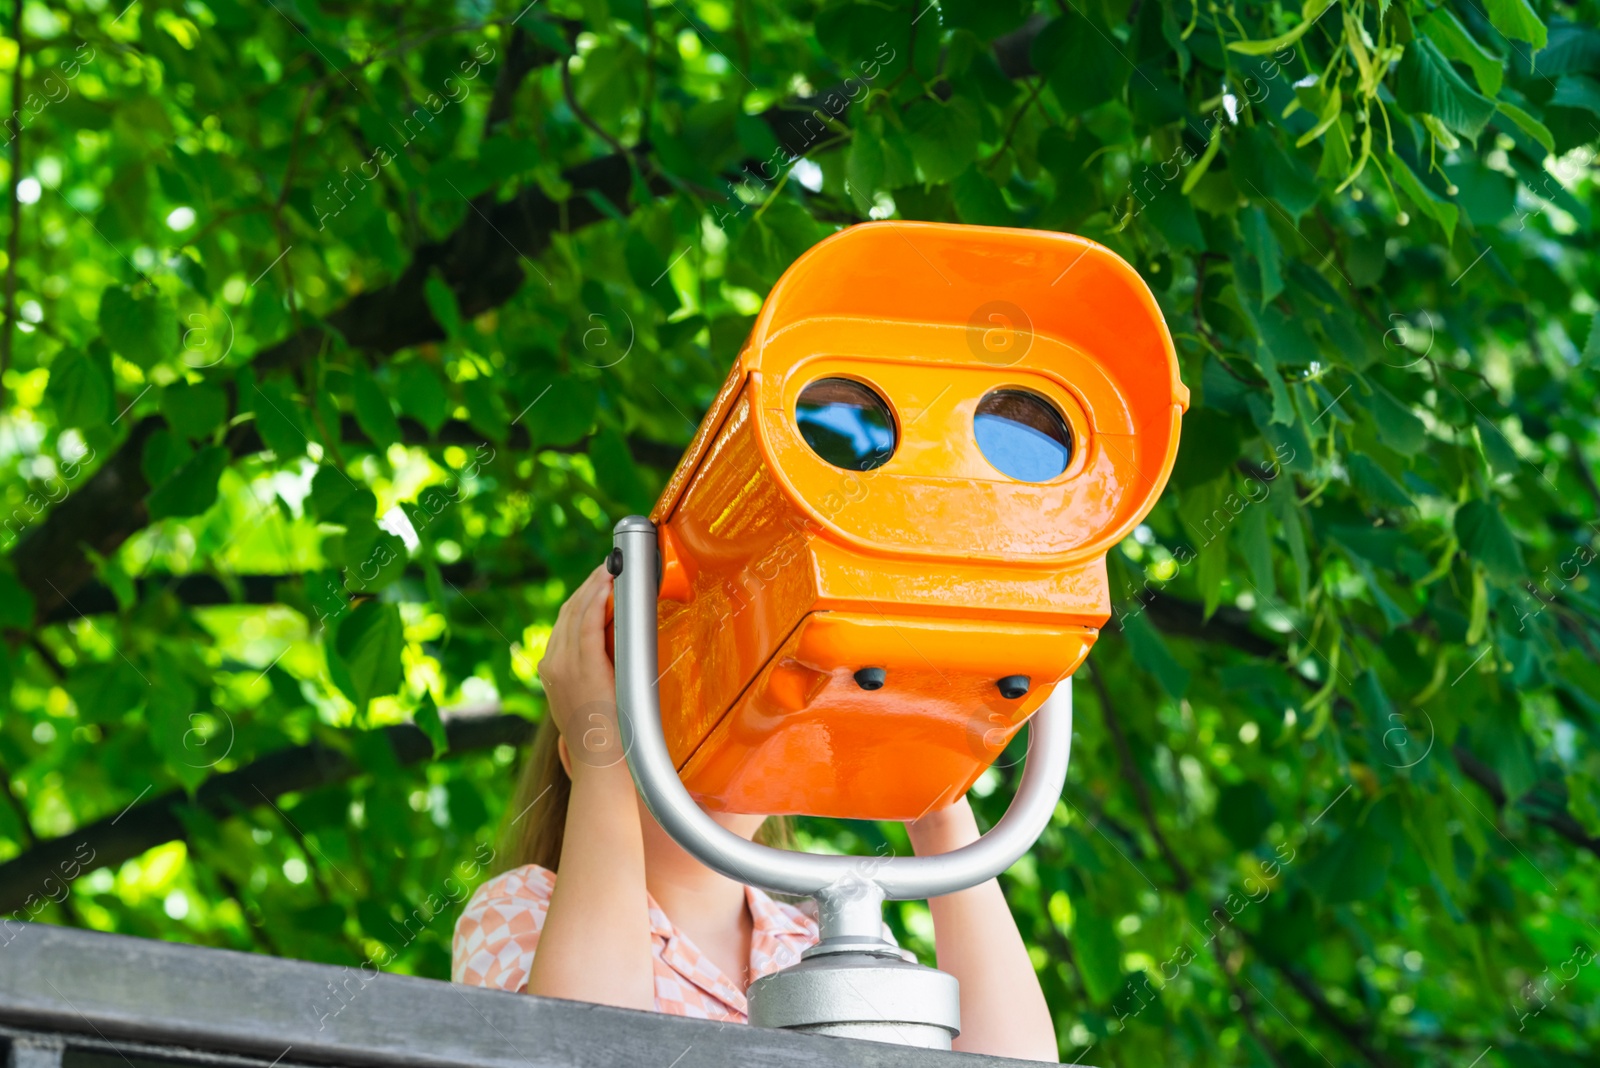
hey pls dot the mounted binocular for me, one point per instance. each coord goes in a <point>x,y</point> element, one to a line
<point>883,552</point>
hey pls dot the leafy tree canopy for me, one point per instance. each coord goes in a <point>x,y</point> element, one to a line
<point>337,335</point>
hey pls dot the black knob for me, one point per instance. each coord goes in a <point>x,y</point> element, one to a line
<point>1013,686</point>
<point>614,563</point>
<point>870,678</point>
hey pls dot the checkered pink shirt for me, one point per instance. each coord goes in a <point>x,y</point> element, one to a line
<point>498,933</point>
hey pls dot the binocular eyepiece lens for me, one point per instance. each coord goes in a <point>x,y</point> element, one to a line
<point>846,423</point>
<point>1022,435</point>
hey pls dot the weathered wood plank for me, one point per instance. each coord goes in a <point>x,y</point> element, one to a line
<point>111,987</point>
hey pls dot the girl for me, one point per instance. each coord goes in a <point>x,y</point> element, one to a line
<point>636,921</point>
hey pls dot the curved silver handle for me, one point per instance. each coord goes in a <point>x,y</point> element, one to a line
<point>782,870</point>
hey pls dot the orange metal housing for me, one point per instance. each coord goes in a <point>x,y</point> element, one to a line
<point>783,574</point>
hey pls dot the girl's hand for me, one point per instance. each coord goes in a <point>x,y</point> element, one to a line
<point>1003,1011</point>
<point>595,944</point>
<point>579,680</point>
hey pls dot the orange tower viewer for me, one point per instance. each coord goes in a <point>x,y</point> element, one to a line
<point>886,544</point>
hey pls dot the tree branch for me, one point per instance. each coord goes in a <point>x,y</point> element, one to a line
<point>1176,616</point>
<point>1141,789</point>
<point>1228,625</point>
<point>245,439</point>
<point>201,590</point>
<point>1356,1036</point>
<point>17,808</point>
<point>1558,819</point>
<point>114,839</point>
<point>481,262</point>
<point>1247,1013</point>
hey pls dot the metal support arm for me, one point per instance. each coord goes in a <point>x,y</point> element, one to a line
<point>841,881</point>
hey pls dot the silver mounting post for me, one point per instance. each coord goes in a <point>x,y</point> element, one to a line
<point>853,983</point>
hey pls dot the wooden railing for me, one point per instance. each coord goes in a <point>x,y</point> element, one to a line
<point>78,999</point>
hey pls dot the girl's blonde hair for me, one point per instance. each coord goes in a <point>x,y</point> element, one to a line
<point>536,821</point>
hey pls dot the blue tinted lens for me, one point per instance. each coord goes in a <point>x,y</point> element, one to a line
<point>846,424</point>
<point>1022,435</point>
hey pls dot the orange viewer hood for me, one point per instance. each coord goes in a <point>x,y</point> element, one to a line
<point>785,575</point>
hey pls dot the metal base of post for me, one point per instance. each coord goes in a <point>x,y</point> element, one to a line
<point>853,984</point>
<point>860,993</point>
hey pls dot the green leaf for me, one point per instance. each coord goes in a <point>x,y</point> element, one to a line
<point>1498,452</point>
<point>170,708</point>
<point>1571,47</point>
<point>771,243</point>
<point>280,418</point>
<point>164,453</point>
<point>192,488</point>
<point>943,137</point>
<point>985,18</point>
<point>852,33</point>
<point>1376,484</point>
<point>1577,91</point>
<point>1327,118</point>
<point>1264,251</point>
<point>1294,534</point>
<point>194,409</point>
<point>865,165</point>
<point>1354,868</point>
<point>106,692</point>
<point>979,201</point>
<point>80,389</point>
<point>421,395</point>
<point>141,325</point>
<point>485,409</point>
<point>1099,954</point>
<point>1445,30</point>
<point>427,719</point>
<point>1201,509</point>
<point>1209,447</point>
<point>1517,19</point>
<point>615,472</point>
<point>1267,171</point>
<point>1504,745</point>
<point>1435,207</point>
<point>334,498</point>
<point>1081,62</point>
<point>1337,158</point>
<point>558,409</point>
<point>441,301</point>
<point>1425,82</point>
<point>1255,543</point>
<point>651,271</point>
<point>374,414</point>
<point>1173,217</point>
<point>1485,537</point>
<point>1151,653</point>
<point>1277,341</point>
<point>1310,12</point>
<point>1154,99</point>
<point>1527,124</point>
<point>371,556</point>
<point>368,649</point>
<point>1397,425</point>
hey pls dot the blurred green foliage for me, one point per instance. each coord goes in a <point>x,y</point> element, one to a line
<point>342,331</point>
